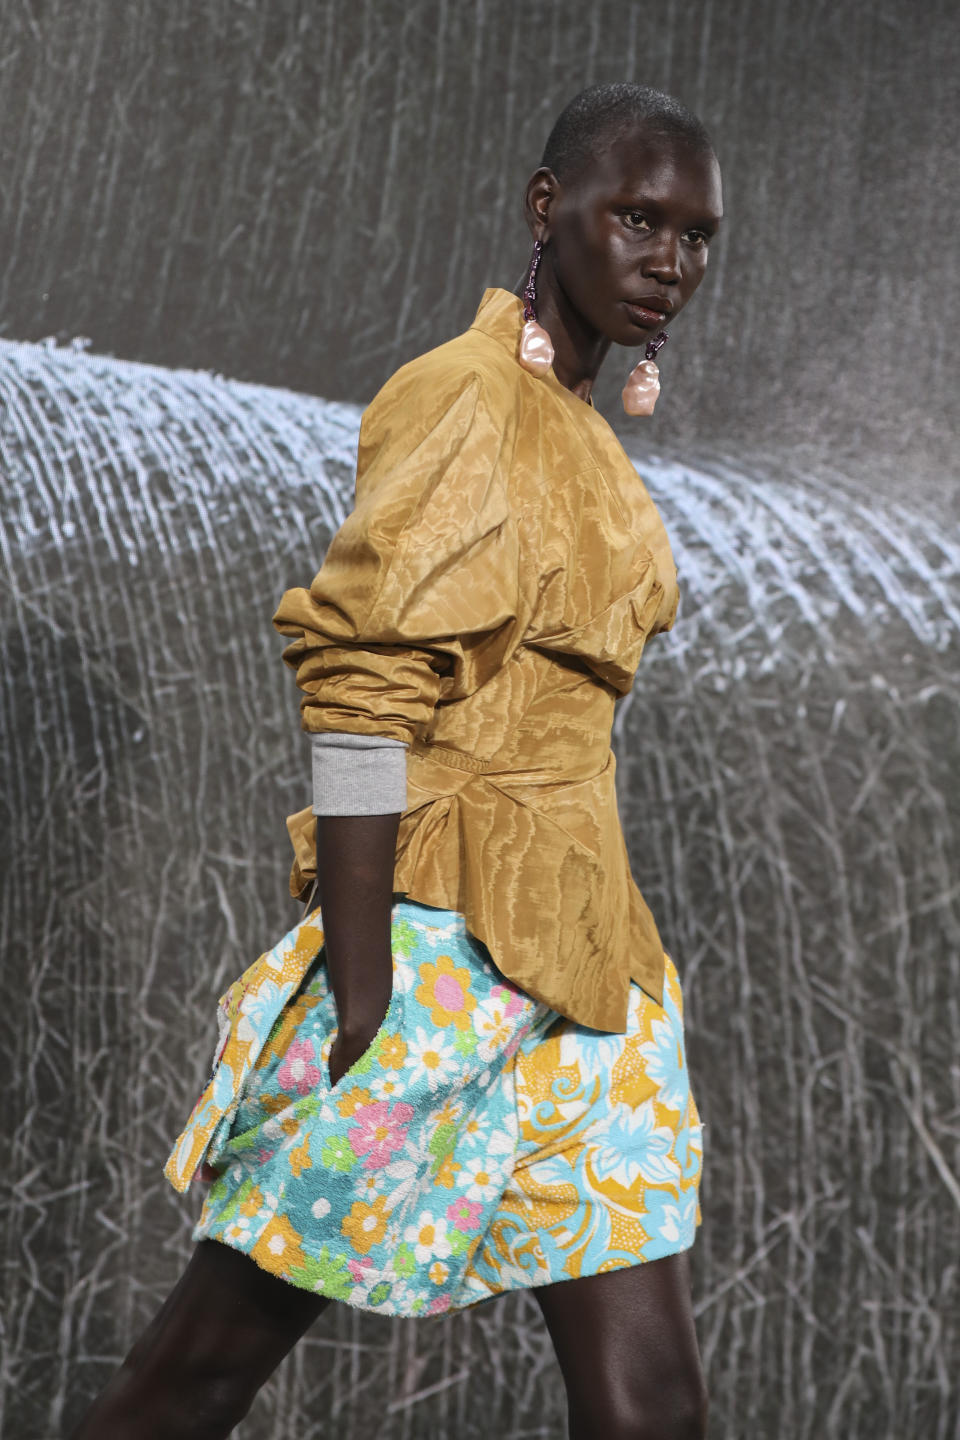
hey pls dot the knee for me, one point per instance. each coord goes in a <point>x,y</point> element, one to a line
<point>189,1399</point>
<point>676,1409</point>
<point>210,1406</point>
<point>686,1412</point>
<point>194,1399</point>
<point>144,1403</point>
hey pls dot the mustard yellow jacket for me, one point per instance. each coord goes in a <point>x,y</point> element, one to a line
<point>486,602</point>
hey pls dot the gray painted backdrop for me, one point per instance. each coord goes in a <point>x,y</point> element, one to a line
<point>308,194</point>
<point>304,196</point>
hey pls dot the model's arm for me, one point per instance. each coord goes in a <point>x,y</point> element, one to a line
<point>359,794</point>
<point>418,591</point>
<point>355,859</point>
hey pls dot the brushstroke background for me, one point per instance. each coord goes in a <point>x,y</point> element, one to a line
<point>301,197</point>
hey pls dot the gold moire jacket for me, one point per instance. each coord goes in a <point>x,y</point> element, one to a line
<point>486,602</point>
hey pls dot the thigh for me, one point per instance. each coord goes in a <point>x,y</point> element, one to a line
<point>627,1347</point>
<point>228,1315</point>
<point>219,1335</point>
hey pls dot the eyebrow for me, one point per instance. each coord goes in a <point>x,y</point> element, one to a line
<point>647,202</point>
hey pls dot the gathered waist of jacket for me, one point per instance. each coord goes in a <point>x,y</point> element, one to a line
<point>526,844</point>
<point>518,763</point>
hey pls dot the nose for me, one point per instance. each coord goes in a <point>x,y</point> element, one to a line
<point>662,261</point>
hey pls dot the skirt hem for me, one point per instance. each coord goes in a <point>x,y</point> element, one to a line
<point>511,1283</point>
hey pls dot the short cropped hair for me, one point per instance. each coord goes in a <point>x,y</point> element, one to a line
<point>601,114</point>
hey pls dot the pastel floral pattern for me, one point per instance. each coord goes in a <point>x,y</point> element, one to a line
<point>366,1225</point>
<point>631,1146</point>
<point>481,1144</point>
<point>298,1072</point>
<point>428,1236</point>
<point>445,992</point>
<point>666,1065</point>
<point>432,1058</point>
<point>379,1130</point>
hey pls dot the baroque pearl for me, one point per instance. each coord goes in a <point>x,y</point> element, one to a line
<point>642,388</point>
<point>536,348</point>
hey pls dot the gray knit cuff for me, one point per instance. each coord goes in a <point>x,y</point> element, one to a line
<point>358,774</point>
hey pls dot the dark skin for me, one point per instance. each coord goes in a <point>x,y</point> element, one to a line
<point>637,224</point>
<point>355,856</point>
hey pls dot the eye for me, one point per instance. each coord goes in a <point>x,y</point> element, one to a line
<point>635,220</point>
<point>697,238</point>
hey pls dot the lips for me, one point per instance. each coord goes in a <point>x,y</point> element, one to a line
<point>649,313</point>
<point>659,303</point>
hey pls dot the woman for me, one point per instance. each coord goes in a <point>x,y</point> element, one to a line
<point>471,1078</point>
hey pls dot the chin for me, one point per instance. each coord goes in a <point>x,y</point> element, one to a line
<point>629,332</point>
<point>636,336</point>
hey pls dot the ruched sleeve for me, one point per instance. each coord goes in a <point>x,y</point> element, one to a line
<point>416,602</point>
<point>484,605</point>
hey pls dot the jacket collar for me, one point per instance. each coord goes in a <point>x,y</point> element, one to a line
<point>500,315</point>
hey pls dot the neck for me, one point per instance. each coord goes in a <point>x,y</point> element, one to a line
<point>579,350</point>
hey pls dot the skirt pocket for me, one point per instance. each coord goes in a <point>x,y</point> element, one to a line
<point>376,1190</point>
<point>246,1015</point>
<point>364,1063</point>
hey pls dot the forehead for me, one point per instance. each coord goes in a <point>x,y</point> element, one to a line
<point>663,168</point>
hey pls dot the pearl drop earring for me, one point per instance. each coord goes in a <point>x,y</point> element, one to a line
<point>536,347</point>
<point>643,383</point>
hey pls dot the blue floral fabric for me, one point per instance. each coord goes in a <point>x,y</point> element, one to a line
<point>481,1144</point>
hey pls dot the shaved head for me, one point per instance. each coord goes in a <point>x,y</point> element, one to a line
<point>602,114</point>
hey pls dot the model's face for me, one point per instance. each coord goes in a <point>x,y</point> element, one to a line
<point>628,238</point>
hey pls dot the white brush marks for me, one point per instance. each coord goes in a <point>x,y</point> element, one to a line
<point>788,769</point>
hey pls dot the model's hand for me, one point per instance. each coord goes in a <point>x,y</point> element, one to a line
<point>355,859</point>
<point>348,1049</point>
<point>369,1002</point>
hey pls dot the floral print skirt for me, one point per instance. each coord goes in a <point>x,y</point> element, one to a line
<point>482,1143</point>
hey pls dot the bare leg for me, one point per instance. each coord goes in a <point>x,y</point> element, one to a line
<point>194,1372</point>
<point>628,1351</point>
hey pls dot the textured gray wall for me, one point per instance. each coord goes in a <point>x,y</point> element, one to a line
<point>789,766</point>
<point>306,195</point>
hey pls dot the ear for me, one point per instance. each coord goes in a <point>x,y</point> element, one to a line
<point>538,201</point>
